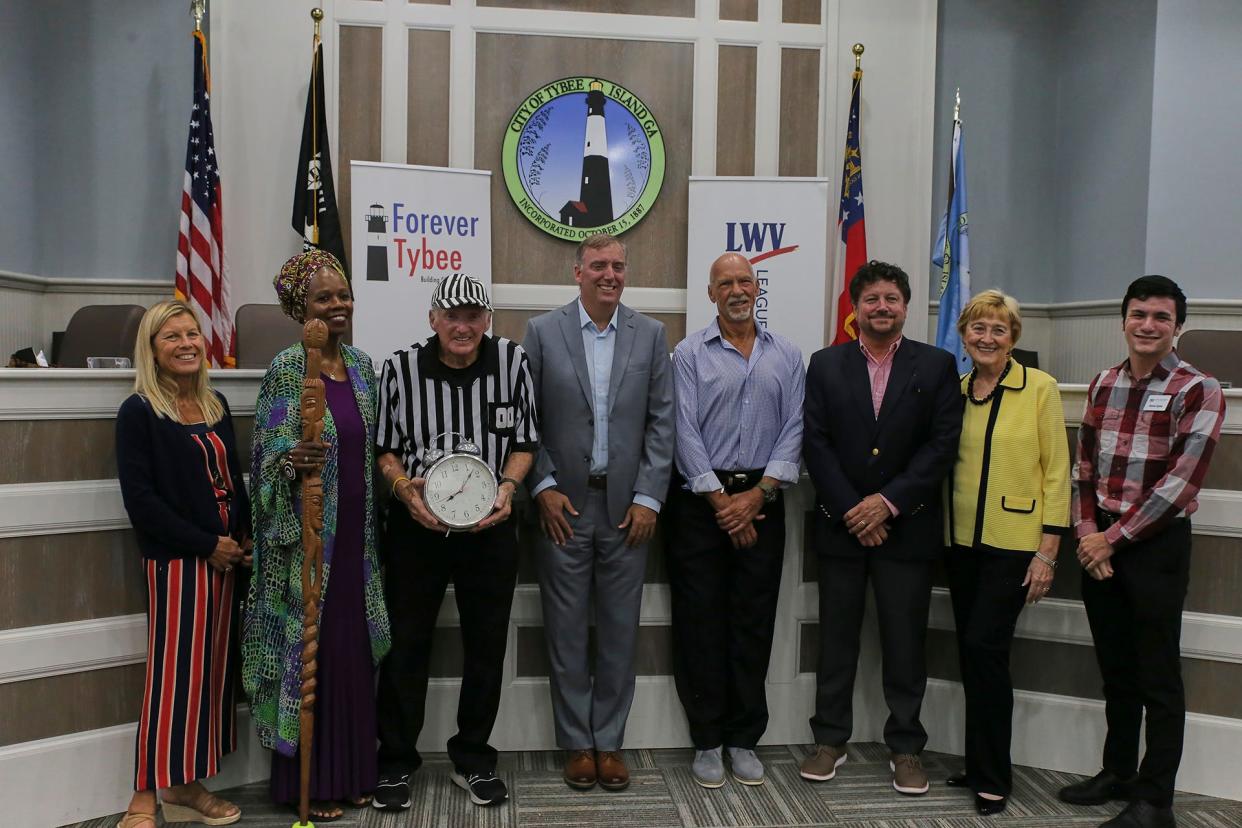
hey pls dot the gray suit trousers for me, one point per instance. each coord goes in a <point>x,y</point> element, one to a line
<point>591,714</point>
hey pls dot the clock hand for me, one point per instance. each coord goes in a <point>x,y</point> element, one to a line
<point>462,489</point>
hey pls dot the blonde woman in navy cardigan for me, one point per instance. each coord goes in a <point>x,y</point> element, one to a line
<point>1008,508</point>
<point>183,490</point>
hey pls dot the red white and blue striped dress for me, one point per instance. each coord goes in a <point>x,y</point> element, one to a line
<point>188,719</point>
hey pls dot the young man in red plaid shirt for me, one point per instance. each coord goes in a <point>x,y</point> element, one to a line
<point>1147,434</point>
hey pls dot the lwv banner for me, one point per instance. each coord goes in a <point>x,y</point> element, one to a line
<point>780,225</point>
<point>411,228</point>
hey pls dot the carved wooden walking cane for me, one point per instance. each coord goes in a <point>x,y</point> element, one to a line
<point>314,337</point>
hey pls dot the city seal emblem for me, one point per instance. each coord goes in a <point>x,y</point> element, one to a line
<point>583,155</point>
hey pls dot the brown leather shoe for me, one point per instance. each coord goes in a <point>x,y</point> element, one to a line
<point>613,774</point>
<point>580,770</point>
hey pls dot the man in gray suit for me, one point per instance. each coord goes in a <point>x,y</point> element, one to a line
<point>604,387</point>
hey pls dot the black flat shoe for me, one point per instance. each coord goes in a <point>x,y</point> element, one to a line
<point>987,807</point>
<point>1105,786</point>
<point>956,780</point>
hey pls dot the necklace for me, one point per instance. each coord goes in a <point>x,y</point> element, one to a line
<point>970,386</point>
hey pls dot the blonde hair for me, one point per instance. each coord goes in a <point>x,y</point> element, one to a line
<point>159,389</point>
<point>992,302</point>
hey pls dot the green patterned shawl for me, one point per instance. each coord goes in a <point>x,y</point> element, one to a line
<point>272,617</point>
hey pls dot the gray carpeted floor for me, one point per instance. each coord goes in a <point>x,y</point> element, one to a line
<point>663,794</point>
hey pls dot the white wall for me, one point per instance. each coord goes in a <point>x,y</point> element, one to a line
<point>17,139</point>
<point>1003,57</point>
<point>111,86</point>
<point>898,103</point>
<point>1194,210</point>
<point>261,63</point>
<point>1103,146</point>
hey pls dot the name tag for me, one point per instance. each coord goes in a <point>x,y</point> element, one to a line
<point>1157,402</point>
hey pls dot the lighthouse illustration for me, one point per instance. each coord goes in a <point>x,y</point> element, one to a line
<point>377,244</point>
<point>594,205</point>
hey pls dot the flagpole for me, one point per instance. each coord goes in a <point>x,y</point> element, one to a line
<point>316,15</point>
<point>850,228</point>
<point>198,8</point>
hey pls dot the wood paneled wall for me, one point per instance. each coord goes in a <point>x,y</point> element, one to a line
<point>427,98</point>
<point>666,8</point>
<point>739,10</point>
<point>735,110</point>
<point>508,67</point>
<point>358,108</point>
<point>799,149</point>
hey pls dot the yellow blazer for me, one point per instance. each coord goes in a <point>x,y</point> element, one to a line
<point>1010,484</point>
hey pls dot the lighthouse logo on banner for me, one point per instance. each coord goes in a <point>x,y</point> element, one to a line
<point>583,155</point>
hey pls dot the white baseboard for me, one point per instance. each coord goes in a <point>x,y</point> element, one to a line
<point>86,775</point>
<point>1067,734</point>
<point>71,778</point>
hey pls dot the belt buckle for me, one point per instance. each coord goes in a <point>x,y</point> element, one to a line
<point>737,480</point>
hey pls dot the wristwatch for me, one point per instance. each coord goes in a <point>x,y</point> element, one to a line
<point>769,491</point>
<point>287,469</point>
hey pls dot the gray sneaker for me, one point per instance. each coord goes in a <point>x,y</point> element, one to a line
<point>708,768</point>
<point>746,766</point>
<point>822,765</point>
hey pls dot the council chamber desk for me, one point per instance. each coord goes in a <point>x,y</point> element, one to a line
<point>73,629</point>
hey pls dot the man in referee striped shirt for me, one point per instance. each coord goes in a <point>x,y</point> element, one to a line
<point>459,380</point>
<point>1147,435</point>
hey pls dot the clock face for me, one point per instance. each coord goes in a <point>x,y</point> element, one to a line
<point>460,490</point>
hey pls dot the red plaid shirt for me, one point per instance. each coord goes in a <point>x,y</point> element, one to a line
<point>1145,465</point>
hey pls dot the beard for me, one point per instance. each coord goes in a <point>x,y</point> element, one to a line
<point>739,313</point>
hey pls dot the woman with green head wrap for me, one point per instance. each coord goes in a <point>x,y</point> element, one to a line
<point>353,630</point>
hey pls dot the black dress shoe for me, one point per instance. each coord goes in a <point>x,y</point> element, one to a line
<point>1097,790</point>
<point>987,807</point>
<point>957,780</point>
<point>1140,814</point>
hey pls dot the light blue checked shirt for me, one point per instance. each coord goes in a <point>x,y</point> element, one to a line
<point>735,414</point>
<point>599,346</point>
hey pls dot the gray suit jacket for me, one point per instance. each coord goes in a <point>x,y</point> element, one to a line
<point>640,399</point>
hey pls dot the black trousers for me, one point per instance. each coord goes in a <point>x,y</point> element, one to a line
<point>1136,621</point>
<point>420,564</point>
<point>724,614</point>
<point>988,596</point>
<point>902,591</point>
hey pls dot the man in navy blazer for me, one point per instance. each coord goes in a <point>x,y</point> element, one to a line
<point>881,423</point>
<point>603,377</point>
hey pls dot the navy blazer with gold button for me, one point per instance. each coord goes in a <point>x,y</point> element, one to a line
<point>904,454</point>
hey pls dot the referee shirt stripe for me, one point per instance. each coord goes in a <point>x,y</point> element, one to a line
<point>490,403</point>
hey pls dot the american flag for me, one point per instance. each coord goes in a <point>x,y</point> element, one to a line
<point>201,279</point>
<point>853,251</point>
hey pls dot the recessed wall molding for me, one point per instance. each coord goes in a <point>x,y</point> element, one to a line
<point>74,647</point>
<point>89,394</point>
<point>62,507</point>
<point>10,280</point>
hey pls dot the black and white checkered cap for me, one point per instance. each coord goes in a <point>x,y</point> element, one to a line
<point>460,290</point>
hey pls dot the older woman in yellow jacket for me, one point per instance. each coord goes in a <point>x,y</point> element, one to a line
<point>1008,508</point>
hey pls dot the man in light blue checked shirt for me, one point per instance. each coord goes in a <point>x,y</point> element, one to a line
<point>739,390</point>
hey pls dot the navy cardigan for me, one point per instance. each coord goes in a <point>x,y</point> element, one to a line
<point>169,500</point>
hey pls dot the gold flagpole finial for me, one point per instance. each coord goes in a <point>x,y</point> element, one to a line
<point>858,53</point>
<point>317,16</point>
<point>957,104</point>
<point>198,8</point>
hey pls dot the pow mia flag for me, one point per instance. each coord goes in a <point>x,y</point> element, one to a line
<point>315,217</point>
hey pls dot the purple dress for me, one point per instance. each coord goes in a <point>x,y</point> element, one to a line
<point>343,763</point>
